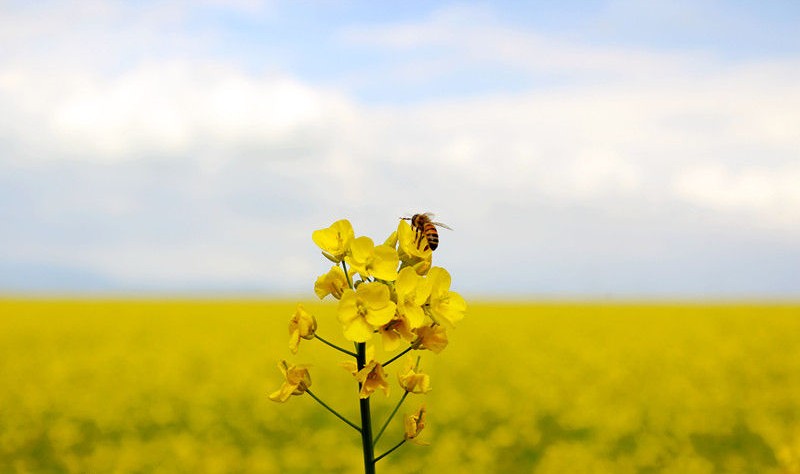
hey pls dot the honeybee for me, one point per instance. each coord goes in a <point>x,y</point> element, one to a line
<point>424,226</point>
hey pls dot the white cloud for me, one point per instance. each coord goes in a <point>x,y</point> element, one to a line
<point>595,142</point>
<point>459,38</point>
<point>193,171</point>
<point>164,109</point>
<point>770,196</point>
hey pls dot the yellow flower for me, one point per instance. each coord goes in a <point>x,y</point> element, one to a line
<point>411,254</point>
<point>371,377</point>
<point>433,338</point>
<point>394,332</point>
<point>412,292</point>
<point>370,261</point>
<point>414,424</point>
<point>351,366</point>
<point>297,382</point>
<point>332,283</point>
<point>411,380</point>
<point>445,306</point>
<point>391,241</point>
<point>303,324</point>
<point>335,240</point>
<point>364,310</point>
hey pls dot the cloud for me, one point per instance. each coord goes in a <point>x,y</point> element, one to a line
<point>163,109</point>
<point>622,125</point>
<point>458,39</point>
<point>769,195</point>
<point>184,170</point>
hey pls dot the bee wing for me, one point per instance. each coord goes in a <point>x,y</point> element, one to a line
<point>439,224</point>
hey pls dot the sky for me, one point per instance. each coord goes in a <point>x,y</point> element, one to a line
<point>579,149</point>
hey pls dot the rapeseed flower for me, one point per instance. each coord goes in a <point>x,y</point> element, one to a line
<point>391,241</point>
<point>335,240</point>
<point>394,332</point>
<point>412,292</point>
<point>392,289</point>
<point>372,261</point>
<point>297,380</point>
<point>332,283</point>
<point>414,424</point>
<point>445,306</point>
<point>372,377</point>
<point>364,310</point>
<point>411,380</point>
<point>412,254</point>
<point>302,325</point>
<point>432,338</point>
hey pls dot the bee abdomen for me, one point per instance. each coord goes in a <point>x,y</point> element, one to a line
<point>431,235</point>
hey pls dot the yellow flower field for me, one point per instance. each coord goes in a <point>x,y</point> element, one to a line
<point>182,386</point>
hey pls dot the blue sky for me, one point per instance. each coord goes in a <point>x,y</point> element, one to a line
<point>580,149</point>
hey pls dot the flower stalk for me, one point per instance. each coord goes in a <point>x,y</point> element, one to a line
<point>409,348</point>
<point>338,415</point>
<point>350,353</point>
<point>390,451</point>
<point>366,417</point>
<point>390,292</point>
<point>389,419</point>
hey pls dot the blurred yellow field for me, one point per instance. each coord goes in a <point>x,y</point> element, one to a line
<point>181,386</point>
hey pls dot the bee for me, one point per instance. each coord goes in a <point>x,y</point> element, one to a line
<point>424,226</point>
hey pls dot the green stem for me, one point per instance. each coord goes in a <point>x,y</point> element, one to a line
<point>409,348</point>
<point>350,284</point>
<point>389,451</point>
<point>333,411</point>
<point>366,418</point>
<point>346,275</point>
<point>335,346</point>
<point>386,423</point>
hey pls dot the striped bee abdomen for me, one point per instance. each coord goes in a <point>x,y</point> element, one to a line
<point>425,227</point>
<point>431,235</point>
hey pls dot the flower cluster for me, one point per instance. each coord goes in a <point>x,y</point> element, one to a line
<point>392,291</point>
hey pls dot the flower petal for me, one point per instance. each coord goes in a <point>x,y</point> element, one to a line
<point>335,240</point>
<point>381,316</point>
<point>358,330</point>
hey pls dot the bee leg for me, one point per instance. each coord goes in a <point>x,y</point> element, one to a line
<point>419,241</point>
